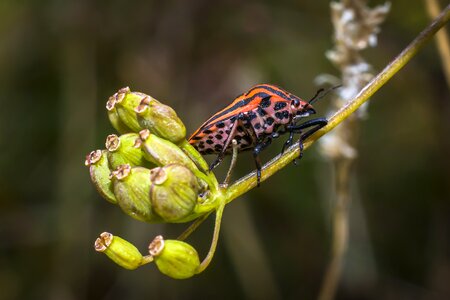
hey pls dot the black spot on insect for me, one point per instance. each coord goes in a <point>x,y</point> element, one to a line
<point>196,138</point>
<point>207,131</point>
<point>269,121</point>
<point>227,131</point>
<point>220,124</point>
<point>286,114</point>
<point>265,102</point>
<point>279,105</point>
<point>232,119</point>
<point>209,151</point>
<point>218,136</point>
<point>210,137</point>
<point>209,142</point>
<point>279,115</point>
<point>201,146</point>
<point>257,126</point>
<point>220,131</point>
<point>218,147</point>
<point>261,111</point>
<point>251,115</point>
<point>240,129</point>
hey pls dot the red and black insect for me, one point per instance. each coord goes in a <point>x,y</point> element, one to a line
<point>253,119</point>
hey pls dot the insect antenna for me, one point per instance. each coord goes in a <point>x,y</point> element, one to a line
<point>322,93</point>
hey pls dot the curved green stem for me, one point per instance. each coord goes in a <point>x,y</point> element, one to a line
<point>249,181</point>
<point>193,226</point>
<point>215,239</point>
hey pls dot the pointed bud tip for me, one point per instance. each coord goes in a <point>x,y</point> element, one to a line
<point>121,93</point>
<point>158,175</point>
<point>146,100</point>
<point>112,142</point>
<point>156,246</point>
<point>93,157</point>
<point>121,172</point>
<point>103,241</point>
<point>124,90</point>
<point>137,143</point>
<point>141,108</point>
<point>144,134</point>
<point>111,103</point>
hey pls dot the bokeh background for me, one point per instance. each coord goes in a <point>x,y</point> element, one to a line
<point>61,60</point>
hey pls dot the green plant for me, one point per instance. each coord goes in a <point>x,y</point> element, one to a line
<point>127,114</point>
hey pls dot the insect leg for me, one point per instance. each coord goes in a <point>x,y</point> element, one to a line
<point>318,123</point>
<point>233,162</point>
<point>227,142</point>
<point>261,144</point>
<point>289,140</point>
<point>258,148</point>
<point>315,123</point>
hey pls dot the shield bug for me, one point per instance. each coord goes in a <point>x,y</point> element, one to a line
<point>254,119</point>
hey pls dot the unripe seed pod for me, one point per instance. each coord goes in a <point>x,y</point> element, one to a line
<point>122,150</point>
<point>173,258</point>
<point>132,190</point>
<point>125,103</point>
<point>97,161</point>
<point>161,120</point>
<point>174,192</point>
<point>162,152</point>
<point>114,117</point>
<point>119,250</point>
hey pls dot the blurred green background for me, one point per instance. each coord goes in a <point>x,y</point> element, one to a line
<point>61,60</point>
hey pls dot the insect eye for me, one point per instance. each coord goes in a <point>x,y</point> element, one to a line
<point>295,103</point>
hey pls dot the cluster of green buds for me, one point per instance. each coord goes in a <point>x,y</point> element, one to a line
<point>173,258</point>
<point>154,175</point>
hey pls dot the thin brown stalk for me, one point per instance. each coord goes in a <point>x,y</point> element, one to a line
<point>442,41</point>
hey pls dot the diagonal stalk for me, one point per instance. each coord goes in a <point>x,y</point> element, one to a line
<point>248,182</point>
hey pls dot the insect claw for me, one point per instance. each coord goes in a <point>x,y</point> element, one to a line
<point>215,163</point>
<point>258,178</point>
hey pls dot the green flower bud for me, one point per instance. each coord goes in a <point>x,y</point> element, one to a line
<point>122,150</point>
<point>132,190</point>
<point>125,103</point>
<point>173,258</point>
<point>97,161</point>
<point>114,117</point>
<point>162,152</point>
<point>161,120</point>
<point>174,192</point>
<point>119,250</point>
<point>194,155</point>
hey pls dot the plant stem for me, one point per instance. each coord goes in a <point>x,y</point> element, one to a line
<point>340,229</point>
<point>193,227</point>
<point>248,182</point>
<point>204,264</point>
<point>442,41</point>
